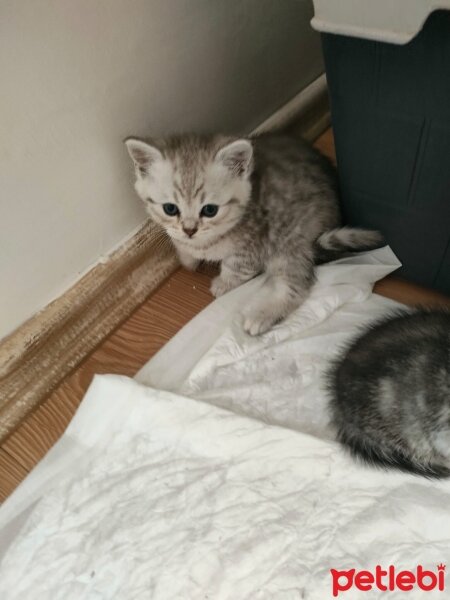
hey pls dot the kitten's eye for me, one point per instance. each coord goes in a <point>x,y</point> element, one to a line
<point>209,210</point>
<point>171,209</point>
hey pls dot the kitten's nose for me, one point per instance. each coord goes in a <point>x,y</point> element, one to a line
<point>190,231</point>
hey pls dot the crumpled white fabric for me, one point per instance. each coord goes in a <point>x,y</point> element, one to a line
<point>229,485</point>
<point>276,377</point>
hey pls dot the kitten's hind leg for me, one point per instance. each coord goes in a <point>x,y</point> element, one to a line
<point>288,281</point>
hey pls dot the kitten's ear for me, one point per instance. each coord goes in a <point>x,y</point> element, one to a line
<point>142,154</point>
<point>237,156</point>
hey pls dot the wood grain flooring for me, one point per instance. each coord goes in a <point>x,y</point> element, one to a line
<point>125,351</point>
<point>128,348</point>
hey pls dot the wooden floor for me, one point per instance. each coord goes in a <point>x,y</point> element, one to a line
<point>180,297</point>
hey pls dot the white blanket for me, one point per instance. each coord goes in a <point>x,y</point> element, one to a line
<point>228,486</point>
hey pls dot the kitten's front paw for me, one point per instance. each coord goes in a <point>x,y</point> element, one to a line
<point>258,323</point>
<point>219,286</point>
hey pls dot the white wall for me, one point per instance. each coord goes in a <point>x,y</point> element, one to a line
<point>77,76</point>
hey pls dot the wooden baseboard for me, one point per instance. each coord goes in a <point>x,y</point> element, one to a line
<point>307,114</point>
<point>38,355</point>
<point>44,350</point>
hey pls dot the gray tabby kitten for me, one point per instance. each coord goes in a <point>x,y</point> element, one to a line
<point>267,204</point>
<point>390,394</point>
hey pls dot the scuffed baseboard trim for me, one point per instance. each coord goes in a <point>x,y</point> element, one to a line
<point>38,355</point>
<point>308,112</point>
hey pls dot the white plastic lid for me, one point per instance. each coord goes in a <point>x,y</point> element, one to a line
<point>395,21</point>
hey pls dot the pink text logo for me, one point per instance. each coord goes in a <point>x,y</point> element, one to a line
<point>388,580</point>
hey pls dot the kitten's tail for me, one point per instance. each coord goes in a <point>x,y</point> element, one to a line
<point>337,242</point>
<point>389,458</point>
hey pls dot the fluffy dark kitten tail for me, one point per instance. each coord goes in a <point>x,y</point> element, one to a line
<point>390,458</point>
<point>335,243</point>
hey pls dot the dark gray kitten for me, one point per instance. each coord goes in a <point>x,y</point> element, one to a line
<point>391,394</point>
<point>267,204</point>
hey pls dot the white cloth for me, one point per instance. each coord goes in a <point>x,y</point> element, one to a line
<point>229,485</point>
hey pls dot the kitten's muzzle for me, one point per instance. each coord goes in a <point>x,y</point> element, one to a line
<point>190,231</point>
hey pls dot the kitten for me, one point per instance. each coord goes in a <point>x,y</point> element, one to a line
<point>390,394</point>
<point>267,204</point>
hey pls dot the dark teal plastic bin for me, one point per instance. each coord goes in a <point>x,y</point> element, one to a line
<point>391,117</point>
